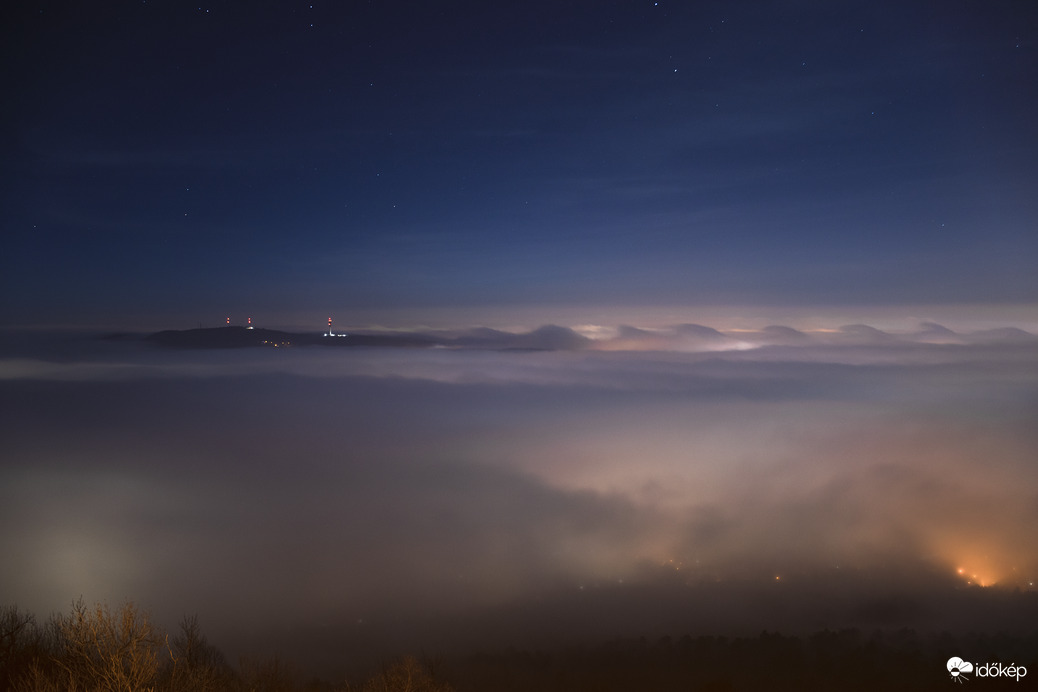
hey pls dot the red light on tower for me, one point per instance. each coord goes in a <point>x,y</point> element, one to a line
<point>250,321</point>
<point>228,321</point>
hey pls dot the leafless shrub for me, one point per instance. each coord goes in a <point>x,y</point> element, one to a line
<point>194,664</point>
<point>21,643</point>
<point>109,651</point>
<point>270,674</point>
<point>405,675</point>
<point>93,649</point>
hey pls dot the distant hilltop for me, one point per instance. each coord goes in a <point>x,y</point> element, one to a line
<point>546,338</point>
<point>691,338</point>
<point>244,337</point>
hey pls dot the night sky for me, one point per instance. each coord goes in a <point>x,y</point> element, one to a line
<point>735,309</point>
<point>169,163</point>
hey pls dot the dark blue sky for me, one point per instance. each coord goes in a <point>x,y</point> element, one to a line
<point>174,162</point>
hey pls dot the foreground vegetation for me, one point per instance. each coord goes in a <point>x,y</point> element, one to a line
<point>96,649</point>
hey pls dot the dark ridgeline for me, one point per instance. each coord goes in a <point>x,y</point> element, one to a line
<point>244,337</point>
<point>901,660</point>
<point>104,649</point>
<point>545,338</point>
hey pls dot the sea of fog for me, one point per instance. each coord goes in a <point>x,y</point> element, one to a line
<point>333,504</point>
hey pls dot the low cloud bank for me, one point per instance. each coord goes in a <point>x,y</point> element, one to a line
<point>376,500</point>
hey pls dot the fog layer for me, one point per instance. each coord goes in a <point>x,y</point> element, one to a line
<point>341,503</point>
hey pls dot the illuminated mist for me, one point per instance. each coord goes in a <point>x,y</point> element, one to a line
<point>371,501</point>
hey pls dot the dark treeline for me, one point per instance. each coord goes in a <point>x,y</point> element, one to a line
<point>98,649</point>
<point>827,660</point>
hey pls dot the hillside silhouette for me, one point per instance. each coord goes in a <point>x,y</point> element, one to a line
<point>244,337</point>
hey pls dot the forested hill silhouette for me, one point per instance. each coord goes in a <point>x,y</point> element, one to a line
<point>244,337</point>
<point>690,338</point>
<point>548,337</point>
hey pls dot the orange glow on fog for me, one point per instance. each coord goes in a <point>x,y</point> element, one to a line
<point>978,563</point>
<point>976,578</point>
